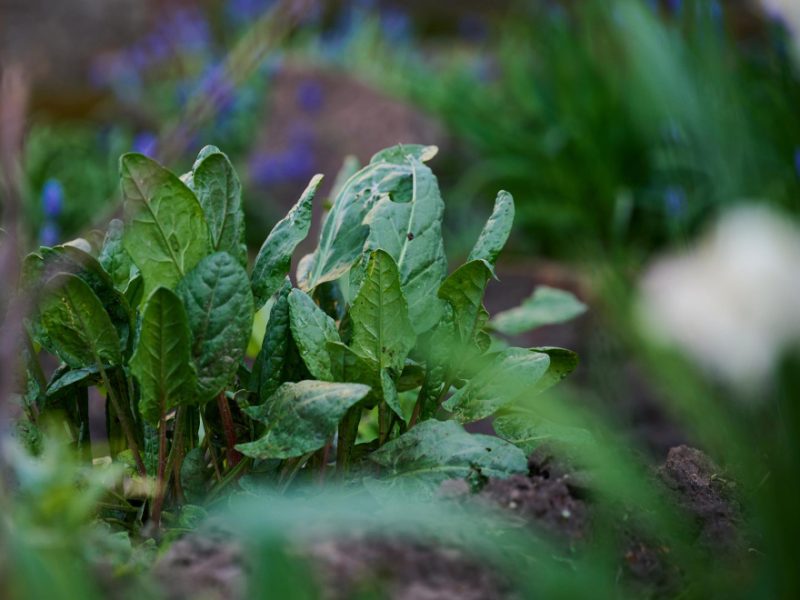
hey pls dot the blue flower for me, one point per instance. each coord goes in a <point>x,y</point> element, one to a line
<point>310,96</point>
<point>50,234</point>
<point>52,198</point>
<point>675,201</point>
<point>675,6</point>
<point>145,143</point>
<point>244,11</point>
<point>396,24</point>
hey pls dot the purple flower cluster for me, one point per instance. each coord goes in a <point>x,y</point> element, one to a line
<point>295,163</point>
<point>52,207</point>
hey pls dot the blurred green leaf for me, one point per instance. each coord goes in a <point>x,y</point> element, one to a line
<point>546,306</point>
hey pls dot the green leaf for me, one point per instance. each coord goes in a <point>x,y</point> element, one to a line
<point>85,376</point>
<point>312,329</point>
<point>347,365</point>
<point>77,324</point>
<point>275,256</point>
<point>343,231</point>
<point>161,361</point>
<point>562,363</point>
<point>69,259</point>
<point>399,154</point>
<point>496,231</point>
<point>301,417</point>
<point>527,431</point>
<point>382,331</point>
<point>411,232</point>
<point>195,475</point>
<point>115,259</point>
<point>434,451</point>
<point>219,306</point>
<point>389,393</point>
<point>167,234</point>
<point>268,366</point>
<point>463,290</point>
<point>546,306</point>
<point>217,187</point>
<point>513,372</point>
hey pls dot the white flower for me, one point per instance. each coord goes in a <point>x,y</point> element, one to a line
<point>788,11</point>
<point>733,302</point>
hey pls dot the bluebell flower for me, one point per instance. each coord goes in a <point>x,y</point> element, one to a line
<point>265,169</point>
<point>299,162</point>
<point>190,29</point>
<point>675,7</point>
<point>145,143</point>
<point>52,198</point>
<point>716,11</point>
<point>310,96</point>
<point>216,84</point>
<point>49,234</point>
<point>675,201</point>
<point>244,11</point>
<point>396,24</point>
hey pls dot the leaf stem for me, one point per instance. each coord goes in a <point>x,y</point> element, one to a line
<point>230,433</point>
<point>161,486</point>
<point>123,420</point>
<point>348,431</point>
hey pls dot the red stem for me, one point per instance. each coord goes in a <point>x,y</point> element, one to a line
<point>230,434</point>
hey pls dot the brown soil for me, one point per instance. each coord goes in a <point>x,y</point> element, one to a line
<point>403,570</point>
<point>553,498</point>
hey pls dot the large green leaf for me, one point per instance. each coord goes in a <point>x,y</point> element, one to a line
<point>167,234</point>
<point>411,232</point>
<point>343,231</point>
<point>77,324</point>
<point>161,360</point>
<point>434,451</point>
<point>217,187</point>
<point>562,363</point>
<point>115,259</point>
<point>496,231</point>
<point>546,306</point>
<point>219,306</point>
<point>269,364</point>
<point>312,329</point>
<point>275,256</point>
<point>69,259</point>
<point>463,290</point>
<point>513,372</point>
<point>382,331</point>
<point>301,417</point>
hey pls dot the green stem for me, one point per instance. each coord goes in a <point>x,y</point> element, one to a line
<point>123,420</point>
<point>348,432</point>
<point>161,486</point>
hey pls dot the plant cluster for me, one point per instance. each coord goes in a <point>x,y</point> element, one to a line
<point>361,355</point>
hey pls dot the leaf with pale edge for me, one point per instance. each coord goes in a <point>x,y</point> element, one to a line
<point>301,417</point>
